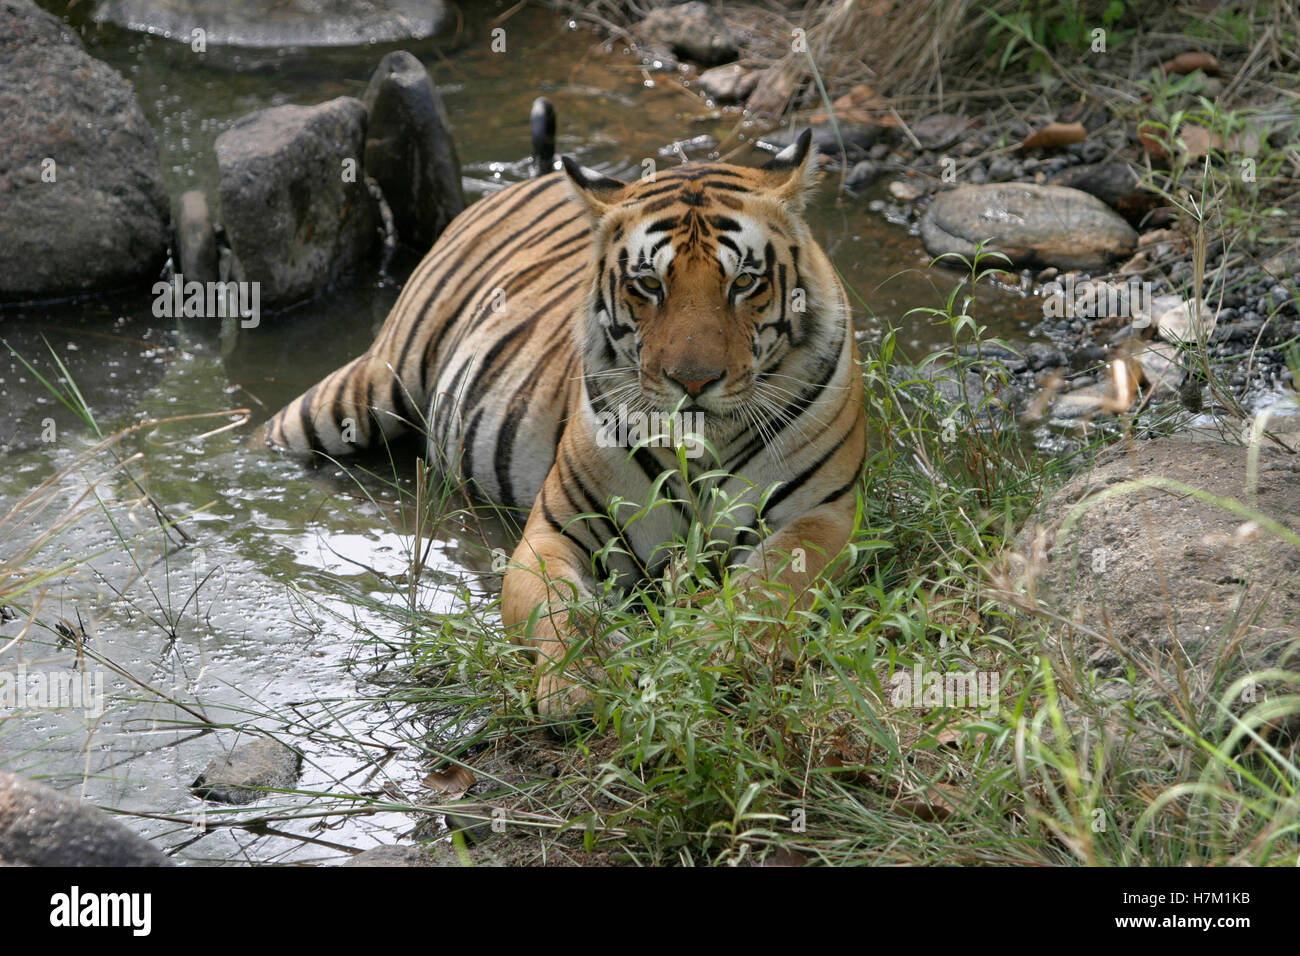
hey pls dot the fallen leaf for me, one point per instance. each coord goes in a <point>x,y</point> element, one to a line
<point>934,805</point>
<point>1192,60</point>
<point>453,782</point>
<point>1053,135</point>
<point>850,759</point>
<point>861,104</point>
<point>860,96</point>
<point>952,737</point>
<point>1149,135</point>
<point>1197,140</point>
<point>948,736</point>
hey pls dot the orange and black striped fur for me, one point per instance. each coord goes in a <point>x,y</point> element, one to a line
<point>559,302</point>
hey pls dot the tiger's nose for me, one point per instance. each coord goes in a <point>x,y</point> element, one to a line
<point>693,379</point>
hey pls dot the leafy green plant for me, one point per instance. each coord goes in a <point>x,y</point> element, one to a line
<point>1031,35</point>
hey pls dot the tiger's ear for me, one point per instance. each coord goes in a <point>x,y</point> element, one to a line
<point>596,191</point>
<point>792,173</point>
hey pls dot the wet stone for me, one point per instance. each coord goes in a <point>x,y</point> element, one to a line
<point>242,775</point>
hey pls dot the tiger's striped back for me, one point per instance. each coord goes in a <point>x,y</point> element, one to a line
<point>484,326</point>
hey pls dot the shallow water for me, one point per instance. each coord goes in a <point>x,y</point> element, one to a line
<point>240,626</point>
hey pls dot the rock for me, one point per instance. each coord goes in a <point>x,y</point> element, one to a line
<point>1041,355</point>
<point>1089,151</point>
<point>1112,183</point>
<point>1161,368</point>
<point>693,30</point>
<point>1033,225</point>
<point>42,827</point>
<point>293,197</point>
<point>1171,316</point>
<point>905,190</point>
<point>995,357</point>
<point>241,775</point>
<point>196,242</point>
<point>274,23</point>
<point>1279,298</point>
<point>1001,169</point>
<point>959,397</point>
<point>862,175</point>
<point>1165,573</point>
<point>730,83</point>
<point>410,151</point>
<point>857,138</point>
<point>1087,353</point>
<point>82,203</point>
<point>939,130</point>
<point>1284,263</point>
<point>773,88</point>
<point>1211,87</point>
<point>392,856</point>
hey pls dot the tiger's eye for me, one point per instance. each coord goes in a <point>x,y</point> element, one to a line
<point>743,281</point>
<point>651,283</point>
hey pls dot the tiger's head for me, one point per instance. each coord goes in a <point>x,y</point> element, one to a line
<point>707,291</point>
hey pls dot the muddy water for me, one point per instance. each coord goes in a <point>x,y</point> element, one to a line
<point>241,627</point>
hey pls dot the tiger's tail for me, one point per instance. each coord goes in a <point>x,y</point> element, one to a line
<point>541,123</point>
<point>351,409</point>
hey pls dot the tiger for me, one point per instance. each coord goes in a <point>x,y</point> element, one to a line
<point>551,313</point>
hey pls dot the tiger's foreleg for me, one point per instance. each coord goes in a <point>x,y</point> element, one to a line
<point>548,571</point>
<point>794,556</point>
<point>777,578</point>
<point>778,575</point>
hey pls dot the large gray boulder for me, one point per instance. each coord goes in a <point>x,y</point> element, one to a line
<point>1033,225</point>
<point>272,23</point>
<point>294,200</point>
<point>409,150</point>
<point>42,827</point>
<point>1166,573</point>
<point>82,203</point>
